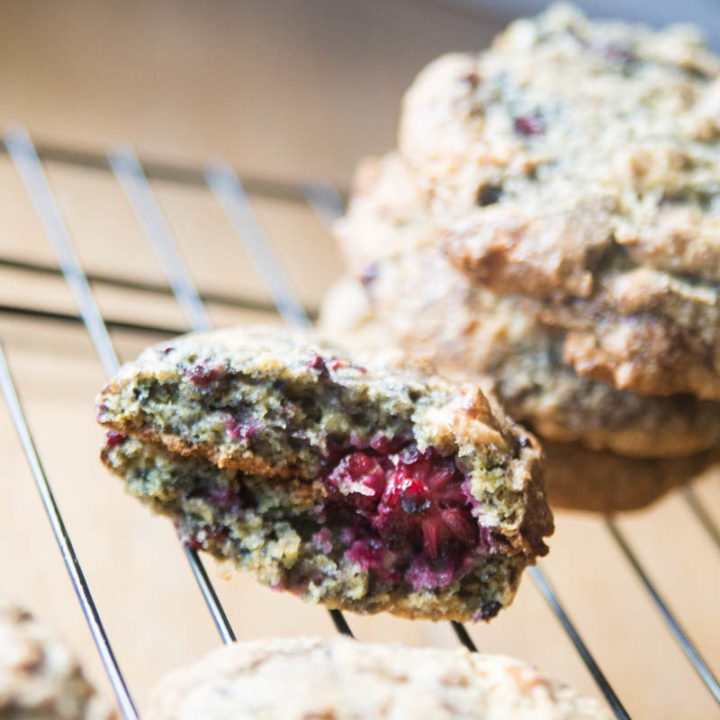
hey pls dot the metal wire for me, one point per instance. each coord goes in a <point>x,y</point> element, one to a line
<point>29,167</point>
<point>230,193</point>
<point>463,635</point>
<point>215,298</point>
<point>702,515</point>
<point>187,175</point>
<point>23,155</point>
<point>548,592</point>
<point>132,178</point>
<point>340,623</point>
<point>130,173</point>
<point>325,199</point>
<point>77,576</point>
<point>681,636</point>
<point>111,323</point>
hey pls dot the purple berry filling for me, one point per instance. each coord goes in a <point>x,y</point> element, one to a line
<point>113,439</point>
<point>529,125</point>
<point>400,514</point>
<point>323,366</point>
<point>203,376</point>
<point>318,364</point>
<point>323,540</point>
<point>409,515</point>
<point>239,429</point>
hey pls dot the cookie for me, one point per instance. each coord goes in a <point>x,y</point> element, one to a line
<point>576,163</point>
<point>40,679</point>
<point>344,679</point>
<point>432,310</point>
<point>345,480</point>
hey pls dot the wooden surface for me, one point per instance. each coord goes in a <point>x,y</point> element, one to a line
<point>153,612</point>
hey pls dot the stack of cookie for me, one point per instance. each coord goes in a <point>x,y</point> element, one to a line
<point>551,222</point>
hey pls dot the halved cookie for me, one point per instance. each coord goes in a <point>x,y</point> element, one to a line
<point>347,480</point>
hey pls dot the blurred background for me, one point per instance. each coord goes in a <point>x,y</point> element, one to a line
<point>286,88</point>
<point>285,91</point>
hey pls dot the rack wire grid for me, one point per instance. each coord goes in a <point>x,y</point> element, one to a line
<point>634,599</point>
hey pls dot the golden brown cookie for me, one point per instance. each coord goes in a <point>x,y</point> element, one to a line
<point>347,680</point>
<point>576,163</point>
<point>429,308</point>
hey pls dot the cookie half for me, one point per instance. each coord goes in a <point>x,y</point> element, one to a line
<point>346,480</point>
<point>346,679</point>
<point>576,163</point>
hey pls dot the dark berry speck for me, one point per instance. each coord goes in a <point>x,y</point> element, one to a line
<point>317,363</point>
<point>472,79</point>
<point>203,376</point>
<point>529,125</point>
<point>113,439</point>
<point>619,55</point>
<point>490,609</point>
<point>192,543</point>
<point>488,194</point>
<point>244,429</point>
<point>369,274</point>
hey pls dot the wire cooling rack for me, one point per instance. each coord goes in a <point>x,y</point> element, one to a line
<point>234,197</point>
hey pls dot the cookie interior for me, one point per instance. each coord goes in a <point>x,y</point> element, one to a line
<point>418,551</point>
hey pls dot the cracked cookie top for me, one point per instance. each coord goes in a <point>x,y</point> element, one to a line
<point>577,163</point>
<point>342,678</point>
